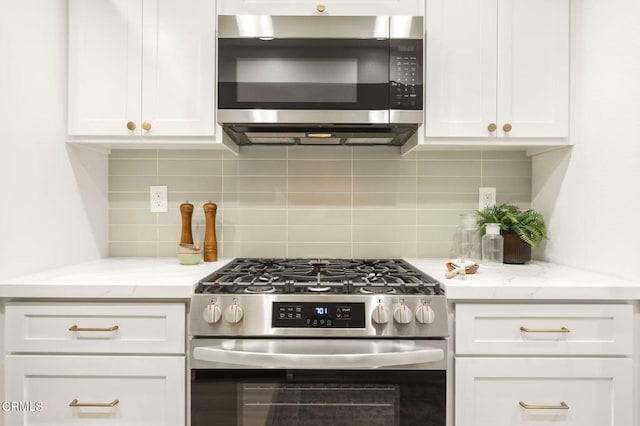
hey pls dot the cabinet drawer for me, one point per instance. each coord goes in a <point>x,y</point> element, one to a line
<point>107,391</point>
<point>544,329</point>
<point>554,391</point>
<point>95,327</point>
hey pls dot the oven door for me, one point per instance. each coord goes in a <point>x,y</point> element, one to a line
<point>313,382</point>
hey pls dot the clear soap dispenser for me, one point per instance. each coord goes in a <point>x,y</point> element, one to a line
<point>492,245</point>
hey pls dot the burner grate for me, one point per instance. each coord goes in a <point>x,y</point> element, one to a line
<point>321,276</point>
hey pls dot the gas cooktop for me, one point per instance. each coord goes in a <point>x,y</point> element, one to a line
<point>319,276</point>
<point>379,298</point>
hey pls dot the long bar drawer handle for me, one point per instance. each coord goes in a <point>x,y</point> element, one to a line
<point>544,330</point>
<point>563,406</point>
<point>75,403</point>
<point>76,328</point>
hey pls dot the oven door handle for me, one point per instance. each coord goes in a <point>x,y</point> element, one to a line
<point>331,354</point>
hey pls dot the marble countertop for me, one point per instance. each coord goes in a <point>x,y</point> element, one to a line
<point>165,278</point>
<point>533,281</point>
<point>135,278</point>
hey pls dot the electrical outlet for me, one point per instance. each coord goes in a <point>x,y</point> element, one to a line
<point>158,199</point>
<point>486,198</point>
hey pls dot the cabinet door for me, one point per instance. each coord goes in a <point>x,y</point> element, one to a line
<point>497,63</point>
<point>553,392</point>
<point>178,76</point>
<point>460,67</point>
<point>133,391</point>
<point>105,39</point>
<point>533,68</point>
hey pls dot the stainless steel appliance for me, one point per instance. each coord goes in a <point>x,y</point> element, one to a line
<point>318,341</point>
<point>350,80</point>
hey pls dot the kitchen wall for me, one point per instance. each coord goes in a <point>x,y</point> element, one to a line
<point>590,193</point>
<point>53,197</point>
<point>308,201</point>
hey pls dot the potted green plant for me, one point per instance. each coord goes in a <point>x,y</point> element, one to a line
<point>521,230</point>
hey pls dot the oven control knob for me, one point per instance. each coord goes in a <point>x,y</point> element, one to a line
<point>402,314</point>
<point>424,314</point>
<point>233,314</point>
<point>212,313</point>
<point>379,315</point>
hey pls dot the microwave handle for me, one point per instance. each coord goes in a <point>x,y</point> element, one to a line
<point>329,358</point>
<point>268,27</point>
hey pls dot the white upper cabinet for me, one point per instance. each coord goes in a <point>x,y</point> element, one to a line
<point>141,67</point>
<point>326,7</point>
<point>497,68</point>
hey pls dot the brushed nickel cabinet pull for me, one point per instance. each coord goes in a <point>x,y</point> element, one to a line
<point>563,406</point>
<point>75,403</point>
<point>76,328</point>
<point>544,330</point>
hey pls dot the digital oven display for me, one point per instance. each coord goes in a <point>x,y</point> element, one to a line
<point>319,315</point>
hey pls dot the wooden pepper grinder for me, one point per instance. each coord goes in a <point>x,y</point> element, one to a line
<point>186,210</point>
<point>210,241</point>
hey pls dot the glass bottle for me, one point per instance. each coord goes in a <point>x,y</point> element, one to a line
<point>492,245</point>
<point>468,242</point>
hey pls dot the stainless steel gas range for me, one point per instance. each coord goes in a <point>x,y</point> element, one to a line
<point>287,342</point>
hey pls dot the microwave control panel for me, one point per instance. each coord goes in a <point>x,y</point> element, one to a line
<point>405,73</point>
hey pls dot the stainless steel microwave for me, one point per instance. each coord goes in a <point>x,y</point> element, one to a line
<point>320,79</point>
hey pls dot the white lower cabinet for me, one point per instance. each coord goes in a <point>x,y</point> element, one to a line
<point>544,364</point>
<point>94,363</point>
<point>82,390</point>
<point>543,392</point>
<point>109,327</point>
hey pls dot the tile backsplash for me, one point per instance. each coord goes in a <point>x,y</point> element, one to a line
<point>308,201</point>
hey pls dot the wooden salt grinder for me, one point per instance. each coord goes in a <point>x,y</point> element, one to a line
<point>186,210</point>
<point>210,241</point>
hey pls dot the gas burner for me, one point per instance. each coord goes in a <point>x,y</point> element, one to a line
<point>377,290</point>
<point>254,289</point>
<point>319,262</point>
<point>266,268</point>
<point>267,277</point>
<point>318,289</point>
<point>373,269</point>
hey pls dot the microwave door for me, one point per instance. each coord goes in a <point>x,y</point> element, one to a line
<point>304,75</point>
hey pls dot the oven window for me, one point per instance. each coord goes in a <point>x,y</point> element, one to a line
<point>318,398</point>
<point>309,74</point>
<point>315,404</point>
